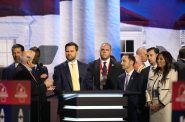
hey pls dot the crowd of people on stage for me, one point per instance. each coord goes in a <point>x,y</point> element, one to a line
<point>150,73</point>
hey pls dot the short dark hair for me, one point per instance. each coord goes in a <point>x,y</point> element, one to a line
<point>36,50</point>
<point>71,44</point>
<point>156,50</point>
<point>18,46</point>
<point>37,55</point>
<point>130,57</point>
<point>182,52</point>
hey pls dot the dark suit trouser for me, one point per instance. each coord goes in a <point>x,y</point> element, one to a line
<point>40,112</point>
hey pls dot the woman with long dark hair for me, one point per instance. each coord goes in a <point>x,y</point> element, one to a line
<point>159,89</point>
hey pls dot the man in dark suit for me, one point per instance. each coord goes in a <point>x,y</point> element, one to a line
<point>146,73</point>
<point>7,73</point>
<point>180,64</point>
<point>24,72</point>
<point>69,75</point>
<point>103,72</point>
<point>131,81</point>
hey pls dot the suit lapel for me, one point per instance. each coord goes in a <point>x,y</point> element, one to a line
<point>111,69</point>
<point>97,72</point>
<point>80,68</point>
<point>13,66</point>
<point>68,74</point>
<point>131,80</point>
<point>28,73</point>
<point>81,71</point>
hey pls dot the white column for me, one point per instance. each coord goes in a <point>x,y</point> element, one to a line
<point>100,24</point>
<point>107,25</point>
<point>83,28</point>
<point>113,25</point>
<point>66,25</point>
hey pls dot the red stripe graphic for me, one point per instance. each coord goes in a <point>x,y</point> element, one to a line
<point>28,7</point>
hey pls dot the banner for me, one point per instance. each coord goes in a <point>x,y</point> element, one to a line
<point>178,102</point>
<point>14,101</point>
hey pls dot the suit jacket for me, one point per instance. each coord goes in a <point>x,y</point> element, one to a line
<point>8,72</point>
<point>92,80</point>
<point>62,76</point>
<point>135,85</point>
<point>145,74</point>
<point>144,109</point>
<point>63,80</point>
<point>38,91</point>
<point>38,71</point>
<point>180,65</point>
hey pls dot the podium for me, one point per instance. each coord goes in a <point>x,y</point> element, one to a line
<point>98,106</point>
<point>15,101</point>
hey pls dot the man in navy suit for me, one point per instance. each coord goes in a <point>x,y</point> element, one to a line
<point>131,81</point>
<point>103,72</point>
<point>7,73</point>
<point>63,73</point>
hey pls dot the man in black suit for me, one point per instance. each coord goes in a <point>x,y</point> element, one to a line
<point>146,73</point>
<point>131,81</point>
<point>24,72</point>
<point>103,72</point>
<point>69,75</point>
<point>180,64</point>
<point>7,73</point>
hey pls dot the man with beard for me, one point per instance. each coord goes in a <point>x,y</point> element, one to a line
<point>103,72</point>
<point>69,75</point>
<point>8,72</point>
